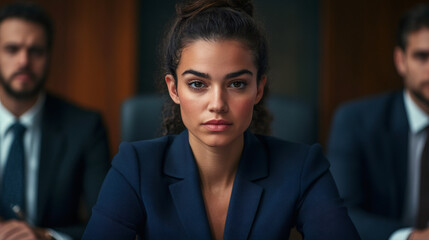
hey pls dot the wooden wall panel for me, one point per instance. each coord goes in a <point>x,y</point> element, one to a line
<point>357,41</point>
<point>94,56</point>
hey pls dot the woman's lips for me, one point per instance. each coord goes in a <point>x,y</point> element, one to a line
<point>217,125</point>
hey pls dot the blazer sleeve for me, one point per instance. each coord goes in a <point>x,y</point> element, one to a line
<point>321,214</point>
<point>345,157</point>
<point>119,211</point>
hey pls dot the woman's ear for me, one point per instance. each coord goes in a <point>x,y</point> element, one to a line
<point>172,88</point>
<point>261,86</point>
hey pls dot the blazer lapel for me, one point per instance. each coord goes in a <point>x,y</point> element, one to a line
<point>246,195</point>
<point>399,144</point>
<point>52,145</point>
<point>187,196</point>
<point>186,193</point>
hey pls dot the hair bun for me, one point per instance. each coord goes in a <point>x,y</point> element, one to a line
<point>190,8</point>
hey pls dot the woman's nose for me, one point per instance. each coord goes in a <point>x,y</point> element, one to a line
<point>218,100</point>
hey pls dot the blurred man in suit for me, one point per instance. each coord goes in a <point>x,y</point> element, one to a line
<point>377,145</point>
<point>53,155</point>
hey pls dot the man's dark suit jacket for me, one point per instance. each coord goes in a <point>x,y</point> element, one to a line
<point>153,190</point>
<point>368,151</point>
<point>73,163</point>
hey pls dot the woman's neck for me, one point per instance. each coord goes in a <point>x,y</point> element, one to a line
<point>217,165</point>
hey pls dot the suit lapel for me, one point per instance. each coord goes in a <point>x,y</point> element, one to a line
<point>187,196</point>
<point>186,193</point>
<point>52,145</point>
<point>242,209</point>
<point>246,195</point>
<point>399,144</point>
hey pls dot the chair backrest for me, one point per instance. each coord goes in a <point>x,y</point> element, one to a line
<point>141,117</point>
<point>293,120</point>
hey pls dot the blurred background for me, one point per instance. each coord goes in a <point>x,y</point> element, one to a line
<point>321,52</point>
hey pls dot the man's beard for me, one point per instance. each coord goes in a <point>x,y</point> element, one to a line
<point>419,96</point>
<point>25,94</point>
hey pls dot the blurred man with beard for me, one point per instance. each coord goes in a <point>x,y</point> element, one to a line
<point>53,155</point>
<point>379,146</point>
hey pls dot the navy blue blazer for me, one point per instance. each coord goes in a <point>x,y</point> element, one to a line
<point>368,151</point>
<point>153,191</point>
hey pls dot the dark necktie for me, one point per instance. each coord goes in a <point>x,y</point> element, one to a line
<point>423,214</point>
<point>12,185</point>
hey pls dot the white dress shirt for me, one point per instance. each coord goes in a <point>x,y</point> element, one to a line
<point>31,119</point>
<point>418,120</point>
<point>32,138</point>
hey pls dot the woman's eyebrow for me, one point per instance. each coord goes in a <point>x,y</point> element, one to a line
<point>238,73</point>
<point>196,73</point>
<point>207,76</point>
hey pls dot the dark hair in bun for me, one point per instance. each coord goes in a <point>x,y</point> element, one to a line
<point>191,8</point>
<point>214,20</point>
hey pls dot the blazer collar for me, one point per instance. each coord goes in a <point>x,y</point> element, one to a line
<point>187,195</point>
<point>180,162</point>
<point>246,194</point>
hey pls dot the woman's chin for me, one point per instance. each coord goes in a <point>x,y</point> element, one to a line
<point>218,140</point>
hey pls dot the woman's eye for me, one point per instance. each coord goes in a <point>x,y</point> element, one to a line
<point>238,84</point>
<point>196,84</point>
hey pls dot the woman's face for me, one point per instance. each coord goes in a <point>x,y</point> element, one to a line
<point>216,89</point>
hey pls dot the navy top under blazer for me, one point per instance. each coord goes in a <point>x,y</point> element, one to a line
<point>153,191</point>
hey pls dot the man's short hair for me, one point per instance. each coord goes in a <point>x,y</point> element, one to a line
<point>413,20</point>
<point>30,12</point>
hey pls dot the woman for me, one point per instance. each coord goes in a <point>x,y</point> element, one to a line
<point>216,179</point>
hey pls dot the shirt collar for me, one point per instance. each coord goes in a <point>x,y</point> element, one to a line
<point>417,118</point>
<point>29,119</point>
<point>7,118</point>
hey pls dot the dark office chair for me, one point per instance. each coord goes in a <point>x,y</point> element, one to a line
<point>141,117</point>
<point>293,120</point>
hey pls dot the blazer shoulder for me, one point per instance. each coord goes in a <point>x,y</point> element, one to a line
<point>148,153</point>
<point>374,103</point>
<point>154,148</point>
<point>283,153</point>
<point>295,162</point>
<point>277,147</point>
<point>78,124</point>
<point>370,111</point>
<point>71,119</point>
<point>65,109</point>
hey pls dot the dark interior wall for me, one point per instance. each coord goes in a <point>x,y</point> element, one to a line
<point>153,17</point>
<point>292,30</point>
